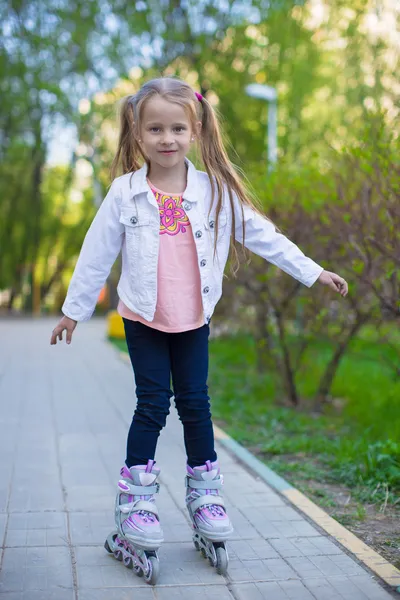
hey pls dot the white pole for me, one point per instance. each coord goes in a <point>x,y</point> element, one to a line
<point>272,134</point>
<point>269,94</point>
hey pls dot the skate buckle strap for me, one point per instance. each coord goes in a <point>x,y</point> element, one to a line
<point>138,490</point>
<point>204,500</point>
<point>130,507</point>
<point>213,484</point>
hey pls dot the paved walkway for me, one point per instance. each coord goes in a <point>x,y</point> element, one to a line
<point>64,416</point>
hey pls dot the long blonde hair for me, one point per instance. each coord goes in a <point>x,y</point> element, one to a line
<point>221,172</point>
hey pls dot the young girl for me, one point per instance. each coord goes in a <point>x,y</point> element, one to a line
<point>175,226</point>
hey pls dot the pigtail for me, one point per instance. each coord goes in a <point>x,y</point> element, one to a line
<point>128,152</point>
<point>221,173</point>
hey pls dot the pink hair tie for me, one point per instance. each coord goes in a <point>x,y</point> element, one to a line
<point>199,96</point>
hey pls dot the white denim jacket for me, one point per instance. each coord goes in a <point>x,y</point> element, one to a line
<point>128,220</point>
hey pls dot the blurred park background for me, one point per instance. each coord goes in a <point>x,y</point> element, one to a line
<point>310,382</point>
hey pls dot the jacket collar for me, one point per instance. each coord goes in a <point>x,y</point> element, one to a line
<point>138,182</point>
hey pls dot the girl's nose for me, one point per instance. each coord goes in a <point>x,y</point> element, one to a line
<point>167,138</point>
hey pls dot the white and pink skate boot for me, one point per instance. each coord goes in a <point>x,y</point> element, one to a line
<point>206,507</point>
<point>139,534</point>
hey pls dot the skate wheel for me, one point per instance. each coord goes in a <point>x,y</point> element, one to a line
<point>109,544</point>
<point>222,560</point>
<point>153,570</point>
<point>203,553</point>
<point>197,545</point>
<point>128,562</point>
<point>138,570</point>
<point>118,552</point>
<point>118,555</point>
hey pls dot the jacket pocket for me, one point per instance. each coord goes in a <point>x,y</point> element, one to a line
<point>132,220</point>
<point>137,238</point>
<point>210,221</point>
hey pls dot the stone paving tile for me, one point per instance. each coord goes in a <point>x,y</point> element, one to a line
<point>316,545</point>
<point>43,498</point>
<point>343,588</point>
<point>35,570</point>
<point>290,529</point>
<point>261,499</point>
<point>91,527</point>
<point>15,558</point>
<point>358,588</point>
<point>270,523</point>
<point>337,565</point>
<point>242,528</point>
<point>305,568</point>
<point>260,570</point>
<point>303,546</point>
<point>146,593</point>
<point>296,590</point>
<point>243,483</point>
<point>371,588</point>
<point>215,592</point>
<point>251,549</point>
<point>37,529</point>
<point>58,594</point>
<point>258,591</point>
<point>90,497</point>
<point>177,533</point>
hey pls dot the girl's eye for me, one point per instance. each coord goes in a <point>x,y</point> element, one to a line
<point>157,129</point>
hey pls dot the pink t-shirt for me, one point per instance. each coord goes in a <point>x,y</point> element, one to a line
<point>179,304</point>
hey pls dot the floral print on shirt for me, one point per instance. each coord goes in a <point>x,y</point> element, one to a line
<point>173,219</point>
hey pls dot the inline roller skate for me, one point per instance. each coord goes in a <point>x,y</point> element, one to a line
<point>206,508</point>
<point>138,532</point>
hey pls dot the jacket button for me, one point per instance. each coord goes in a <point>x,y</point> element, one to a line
<point>203,262</point>
<point>187,206</point>
<point>133,220</point>
<point>212,223</point>
<point>206,290</point>
<point>198,234</point>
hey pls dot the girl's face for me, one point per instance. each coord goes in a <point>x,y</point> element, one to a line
<point>165,131</point>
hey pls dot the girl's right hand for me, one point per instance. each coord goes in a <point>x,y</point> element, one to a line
<point>65,323</point>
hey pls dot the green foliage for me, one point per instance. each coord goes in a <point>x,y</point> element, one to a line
<point>377,467</point>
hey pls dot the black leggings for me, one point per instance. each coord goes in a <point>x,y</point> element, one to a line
<point>155,356</point>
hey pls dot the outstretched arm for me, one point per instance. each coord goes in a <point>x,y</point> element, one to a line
<point>262,239</point>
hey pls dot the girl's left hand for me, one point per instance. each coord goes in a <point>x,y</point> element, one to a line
<point>337,283</point>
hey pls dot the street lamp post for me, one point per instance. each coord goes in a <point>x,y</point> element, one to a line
<point>268,93</point>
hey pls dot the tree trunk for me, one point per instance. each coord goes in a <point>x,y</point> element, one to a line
<point>265,351</point>
<point>330,371</point>
<point>288,372</point>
